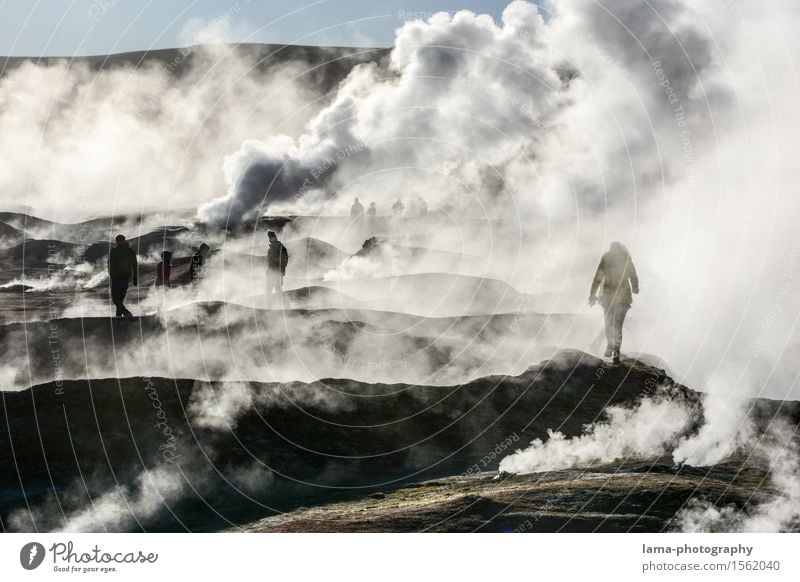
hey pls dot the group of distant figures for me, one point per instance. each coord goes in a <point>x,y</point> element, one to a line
<point>615,278</point>
<point>420,209</point>
<point>123,269</point>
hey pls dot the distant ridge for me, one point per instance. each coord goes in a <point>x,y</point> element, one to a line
<point>327,65</point>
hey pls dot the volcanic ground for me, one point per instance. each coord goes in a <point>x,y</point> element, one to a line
<point>380,399</point>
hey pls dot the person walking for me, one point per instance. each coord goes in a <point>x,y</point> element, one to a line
<point>372,219</point>
<point>163,269</point>
<point>356,209</point>
<point>277,260</point>
<point>163,272</point>
<point>617,276</point>
<point>422,207</point>
<point>122,270</point>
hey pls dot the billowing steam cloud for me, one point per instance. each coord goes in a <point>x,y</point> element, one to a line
<point>432,108</point>
<point>491,114</point>
<point>79,142</point>
<point>662,425</point>
<point>779,513</point>
<point>580,123</point>
<point>643,431</point>
<point>668,125</point>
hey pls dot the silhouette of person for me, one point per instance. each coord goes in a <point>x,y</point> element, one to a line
<point>122,269</point>
<point>277,259</point>
<point>356,209</point>
<point>372,211</point>
<point>618,278</point>
<point>398,208</point>
<point>163,270</point>
<point>196,265</point>
<point>422,207</point>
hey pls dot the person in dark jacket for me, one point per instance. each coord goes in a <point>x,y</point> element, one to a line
<point>122,270</point>
<point>277,259</point>
<point>398,208</point>
<point>163,269</point>
<point>196,265</point>
<point>356,210</point>
<point>422,207</point>
<point>617,276</point>
<point>372,218</point>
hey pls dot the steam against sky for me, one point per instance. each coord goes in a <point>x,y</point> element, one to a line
<point>665,125</point>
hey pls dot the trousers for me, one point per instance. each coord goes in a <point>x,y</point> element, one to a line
<point>119,288</point>
<point>274,281</point>
<point>615,317</point>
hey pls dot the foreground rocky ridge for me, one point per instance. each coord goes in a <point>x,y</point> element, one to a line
<point>159,454</point>
<point>248,448</point>
<point>635,496</point>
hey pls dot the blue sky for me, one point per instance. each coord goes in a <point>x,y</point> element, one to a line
<point>82,27</point>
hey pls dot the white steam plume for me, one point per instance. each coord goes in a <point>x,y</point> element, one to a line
<point>780,512</point>
<point>80,143</point>
<point>642,431</point>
